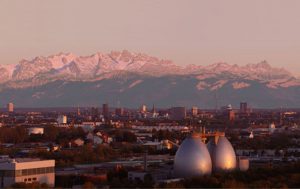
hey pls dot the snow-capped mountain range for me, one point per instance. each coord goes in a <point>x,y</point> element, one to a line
<point>69,67</point>
<point>116,75</point>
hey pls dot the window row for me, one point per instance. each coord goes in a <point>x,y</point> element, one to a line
<point>26,172</point>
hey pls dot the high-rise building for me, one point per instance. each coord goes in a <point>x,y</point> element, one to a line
<point>243,107</point>
<point>10,107</point>
<point>153,109</point>
<point>94,112</point>
<point>178,113</point>
<point>231,115</point>
<point>78,111</point>
<point>119,111</point>
<point>105,110</point>
<point>143,109</point>
<point>194,111</point>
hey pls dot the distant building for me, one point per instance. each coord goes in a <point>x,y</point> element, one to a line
<point>228,112</point>
<point>153,109</point>
<point>10,107</point>
<point>26,170</point>
<point>95,112</point>
<point>105,110</point>
<point>243,164</point>
<point>35,130</point>
<point>78,111</point>
<point>243,107</point>
<point>231,115</point>
<point>119,111</point>
<point>143,109</point>
<point>62,119</point>
<point>246,135</point>
<point>194,111</point>
<point>136,175</point>
<point>178,113</point>
<point>272,128</point>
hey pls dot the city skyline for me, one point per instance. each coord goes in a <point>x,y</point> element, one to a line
<point>197,32</point>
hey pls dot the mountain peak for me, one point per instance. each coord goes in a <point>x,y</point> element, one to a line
<point>264,64</point>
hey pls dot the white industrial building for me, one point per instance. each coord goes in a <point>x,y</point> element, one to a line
<point>35,130</point>
<point>26,170</point>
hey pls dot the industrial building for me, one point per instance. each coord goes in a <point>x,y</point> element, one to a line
<point>26,170</point>
<point>35,130</point>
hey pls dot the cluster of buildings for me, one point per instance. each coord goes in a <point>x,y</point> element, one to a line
<point>174,113</point>
<point>200,153</point>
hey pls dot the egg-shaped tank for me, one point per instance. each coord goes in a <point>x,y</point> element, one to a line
<point>192,158</point>
<point>222,154</point>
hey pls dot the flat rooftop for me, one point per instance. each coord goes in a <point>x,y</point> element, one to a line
<point>18,160</point>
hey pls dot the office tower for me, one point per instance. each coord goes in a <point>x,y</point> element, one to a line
<point>153,109</point>
<point>95,112</point>
<point>10,107</point>
<point>119,111</point>
<point>78,111</point>
<point>194,111</point>
<point>243,107</point>
<point>105,110</point>
<point>231,115</point>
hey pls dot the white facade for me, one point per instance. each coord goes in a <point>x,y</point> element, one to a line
<point>10,107</point>
<point>62,119</point>
<point>26,170</point>
<point>35,130</point>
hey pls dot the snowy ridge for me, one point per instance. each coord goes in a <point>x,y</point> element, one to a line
<point>70,67</point>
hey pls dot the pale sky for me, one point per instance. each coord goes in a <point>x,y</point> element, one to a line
<point>185,31</point>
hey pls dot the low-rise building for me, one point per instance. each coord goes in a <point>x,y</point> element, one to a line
<point>35,130</point>
<point>26,170</point>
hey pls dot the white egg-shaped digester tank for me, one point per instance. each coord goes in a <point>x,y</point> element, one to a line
<point>192,158</point>
<point>222,154</point>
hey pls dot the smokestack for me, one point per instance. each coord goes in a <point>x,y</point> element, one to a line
<point>145,161</point>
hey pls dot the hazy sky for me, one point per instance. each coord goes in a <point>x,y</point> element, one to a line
<point>186,31</point>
